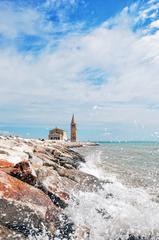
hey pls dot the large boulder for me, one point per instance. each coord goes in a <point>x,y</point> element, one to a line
<point>84,181</point>
<point>25,172</point>
<point>24,207</point>
<point>60,183</point>
<point>22,170</point>
<point>58,188</point>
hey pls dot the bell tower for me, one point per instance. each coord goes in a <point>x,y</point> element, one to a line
<point>73,130</point>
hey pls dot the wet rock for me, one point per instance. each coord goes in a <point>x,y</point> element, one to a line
<point>85,182</point>
<point>52,169</point>
<point>81,233</point>
<point>109,195</point>
<point>103,212</point>
<point>132,237</point>
<point>56,187</point>
<point>7,234</point>
<point>66,229</point>
<point>68,162</point>
<point>24,207</point>
<point>106,181</point>
<point>24,172</point>
<point>60,184</point>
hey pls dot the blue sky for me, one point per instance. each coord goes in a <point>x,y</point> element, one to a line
<point>97,59</point>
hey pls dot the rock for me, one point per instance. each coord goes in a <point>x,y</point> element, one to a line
<point>61,155</point>
<point>56,187</point>
<point>49,163</point>
<point>132,237</point>
<point>85,182</point>
<point>66,229</point>
<point>24,207</point>
<point>6,166</point>
<point>81,233</point>
<point>7,234</point>
<point>67,161</point>
<point>60,184</point>
<point>36,162</point>
<point>4,152</point>
<point>43,156</point>
<point>104,214</point>
<point>24,172</point>
<point>53,171</point>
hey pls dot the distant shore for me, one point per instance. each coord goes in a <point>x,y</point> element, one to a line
<point>76,144</point>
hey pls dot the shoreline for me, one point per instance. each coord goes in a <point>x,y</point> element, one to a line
<point>49,191</point>
<point>76,144</point>
<point>37,179</point>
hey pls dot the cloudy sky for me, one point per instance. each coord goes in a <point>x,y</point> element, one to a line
<point>98,59</point>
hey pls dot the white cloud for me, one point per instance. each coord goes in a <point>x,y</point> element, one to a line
<point>150,10</point>
<point>154,24</point>
<point>41,89</point>
<point>15,22</point>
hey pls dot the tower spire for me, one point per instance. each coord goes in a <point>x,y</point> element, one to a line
<point>73,129</point>
<point>73,119</point>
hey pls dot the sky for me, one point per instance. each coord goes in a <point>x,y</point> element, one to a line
<point>98,59</point>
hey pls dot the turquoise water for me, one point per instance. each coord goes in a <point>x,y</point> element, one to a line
<point>135,163</point>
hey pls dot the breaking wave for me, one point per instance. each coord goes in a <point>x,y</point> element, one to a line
<point>119,211</point>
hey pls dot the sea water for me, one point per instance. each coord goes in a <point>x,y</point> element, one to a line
<point>129,202</point>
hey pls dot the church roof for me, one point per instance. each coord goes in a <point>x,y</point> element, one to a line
<point>57,130</point>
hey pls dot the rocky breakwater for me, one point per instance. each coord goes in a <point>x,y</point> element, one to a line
<point>37,179</point>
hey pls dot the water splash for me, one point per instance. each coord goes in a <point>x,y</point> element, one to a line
<point>116,212</point>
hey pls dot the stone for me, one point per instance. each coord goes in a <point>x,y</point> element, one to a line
<point>24,171</point>
<point>84,181</point>
<point>4,152</point>
<point>37,179</point>
<point>81,233</point>
<point>8,234</point>
<point>56,187</point>
<point>6,166</point>
<point>25,208</point>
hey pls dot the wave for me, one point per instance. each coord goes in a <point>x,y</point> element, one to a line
<point>117,211</point>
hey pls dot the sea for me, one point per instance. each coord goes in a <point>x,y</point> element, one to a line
<point>128,205</point>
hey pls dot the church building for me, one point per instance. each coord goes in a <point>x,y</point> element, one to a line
<point>59,134</point>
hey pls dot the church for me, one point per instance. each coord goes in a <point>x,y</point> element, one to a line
<point>60,134</point>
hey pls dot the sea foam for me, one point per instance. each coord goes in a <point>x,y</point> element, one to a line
<point>117,211</point>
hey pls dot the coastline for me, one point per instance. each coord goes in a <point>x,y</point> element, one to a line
<point>50,191</point>
<point>74,144</point>
<point>37,179</point>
